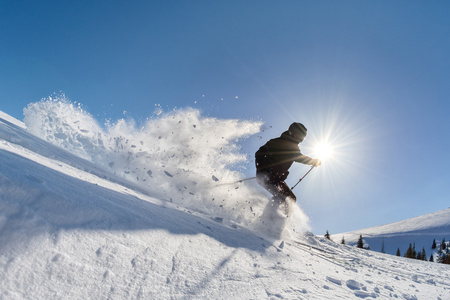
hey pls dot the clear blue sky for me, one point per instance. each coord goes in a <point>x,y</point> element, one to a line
<point>374,76</point>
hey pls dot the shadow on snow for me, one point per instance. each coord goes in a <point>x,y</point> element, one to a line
<point>35,199</point>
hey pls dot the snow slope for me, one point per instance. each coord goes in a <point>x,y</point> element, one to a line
<point>72,229</point>
<point>421,231</point>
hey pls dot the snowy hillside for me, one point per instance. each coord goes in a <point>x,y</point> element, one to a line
<point>421,231</point>
<point>98,215</point>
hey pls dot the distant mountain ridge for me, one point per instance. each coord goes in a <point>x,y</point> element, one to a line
<point>421,231</point>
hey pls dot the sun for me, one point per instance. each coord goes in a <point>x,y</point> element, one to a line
<point>323,150</point>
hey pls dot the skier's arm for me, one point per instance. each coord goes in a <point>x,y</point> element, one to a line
<point>308,160</point>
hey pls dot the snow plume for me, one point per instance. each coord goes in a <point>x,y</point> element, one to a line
<point>181,156</point>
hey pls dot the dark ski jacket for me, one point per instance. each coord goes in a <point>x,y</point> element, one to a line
<point>277,156</point>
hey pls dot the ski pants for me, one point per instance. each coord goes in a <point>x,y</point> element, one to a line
<point>278,188</point>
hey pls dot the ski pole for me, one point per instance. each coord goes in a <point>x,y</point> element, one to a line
<point>312,167</point>
<point>239,181</point>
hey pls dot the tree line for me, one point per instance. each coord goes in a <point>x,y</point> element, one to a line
<point>442,249</point>
<point>443,252</point>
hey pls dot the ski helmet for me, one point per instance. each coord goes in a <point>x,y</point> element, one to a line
<point>297,131</point>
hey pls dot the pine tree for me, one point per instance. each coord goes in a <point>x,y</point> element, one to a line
<point>434,244</point>
<point>444,259</point>
<point>431,258</point>
<point>443,245</point>
<point>327,235</point>
<point>419,256</point>
<point>409,253</point>
<point>398,252</point>
<point>447,260</point>
<point>382,247</point>
<point>360,243</point>
<point>343,241</point>
<point>424,254</point>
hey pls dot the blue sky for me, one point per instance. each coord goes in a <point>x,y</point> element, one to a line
<point>371,76</point>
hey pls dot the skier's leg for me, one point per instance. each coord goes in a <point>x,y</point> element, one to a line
<point>288,197</point>
<point>266,182</point>
<point>279,189</point>
<point>283,197</point>
<point>284,191</point>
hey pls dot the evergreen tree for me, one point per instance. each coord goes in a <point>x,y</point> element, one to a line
<point>398,252</point>
<point>360,243</point>
<point>447,260</point>
<point>419,256</point>
<point>327,235</point>
<point>443,245</point>
<point>424,254</point>
<point>382,247</point>
<point>431,258</point>
<point>343,241</point>
<point>410,253</point>
<point>434,244</point>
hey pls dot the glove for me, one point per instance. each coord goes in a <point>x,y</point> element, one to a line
<point>316,162</point>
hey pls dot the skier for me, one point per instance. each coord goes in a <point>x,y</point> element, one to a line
<point>274,159</point>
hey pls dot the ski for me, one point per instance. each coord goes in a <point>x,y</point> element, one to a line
<point>314,247</point>
<point>325,254</point>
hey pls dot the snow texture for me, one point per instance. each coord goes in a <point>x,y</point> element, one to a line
<point>127,213</point>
